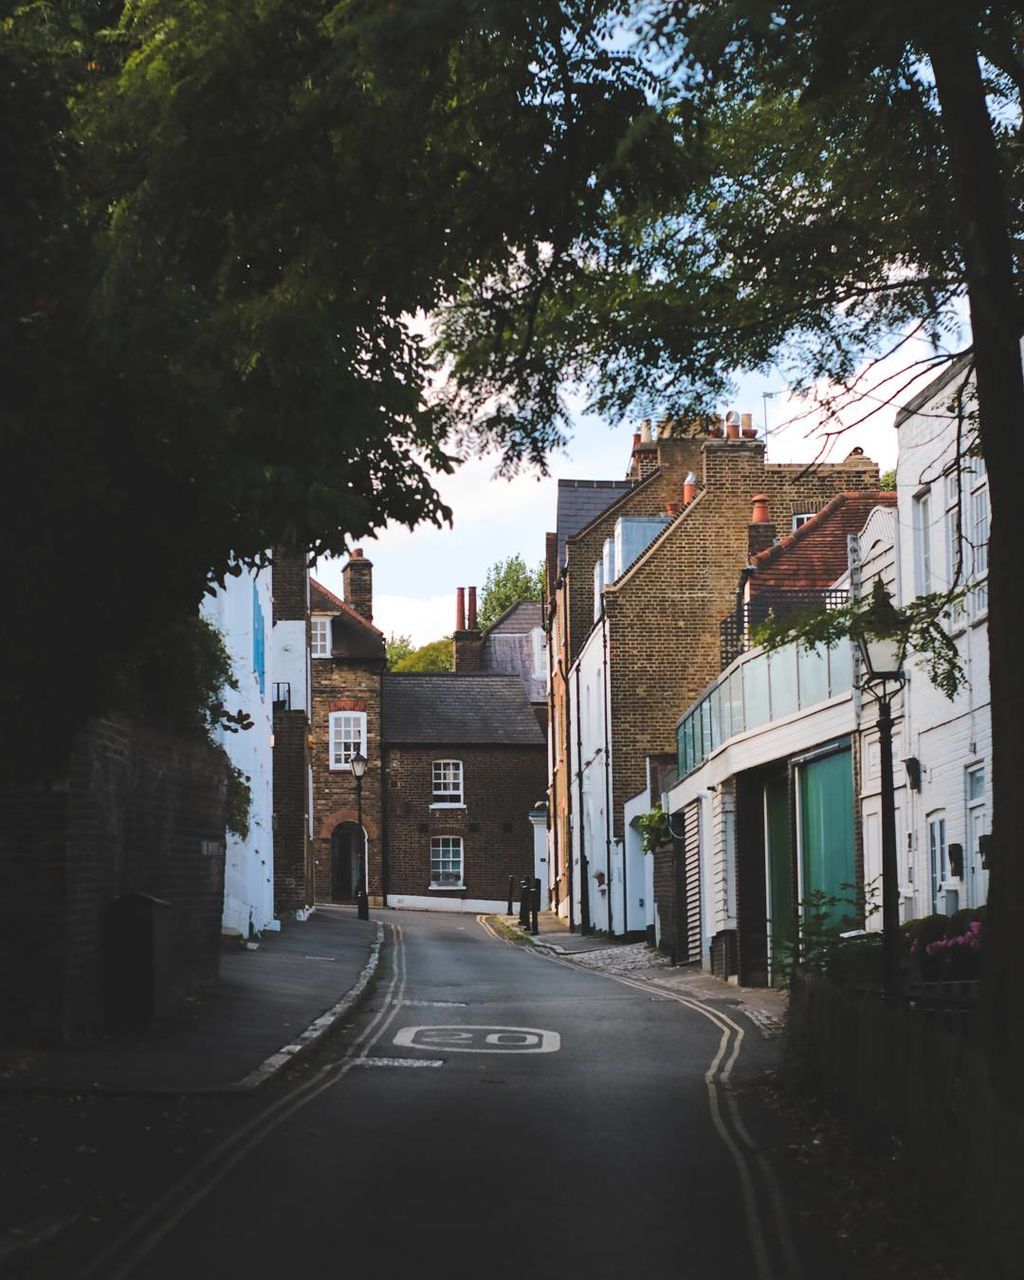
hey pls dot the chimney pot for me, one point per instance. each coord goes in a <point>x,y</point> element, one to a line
<point>460,608</point>
<point>636,438</point>
<point>671,508</point>
<point>732,424</point>
<point>645,431</point>
<point>471,620</point>
<point>356,553</point>
<point>759,513</point>
<point>689,488</point>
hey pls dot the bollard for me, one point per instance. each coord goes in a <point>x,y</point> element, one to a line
<point>511,893</point>
<point>535,895</point>
<point>524,903</point>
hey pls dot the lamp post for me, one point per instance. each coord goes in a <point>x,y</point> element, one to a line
<point>358,764</point>
<point>883,662</point>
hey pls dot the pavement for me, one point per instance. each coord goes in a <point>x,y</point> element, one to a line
<point>275,1002</point>
<point>271,1004</point>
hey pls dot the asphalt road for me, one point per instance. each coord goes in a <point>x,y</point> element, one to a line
<point>492,1111</point>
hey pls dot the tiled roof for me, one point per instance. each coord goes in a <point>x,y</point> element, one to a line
<point>524,615</point>
<point>815,555</point>
<point>450,709</point>
<point>580,502</point>
<point>323,601</point>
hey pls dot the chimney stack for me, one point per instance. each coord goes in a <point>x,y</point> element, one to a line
<point>761,530</point>
<point>467,643</point>
<point>357,578</point>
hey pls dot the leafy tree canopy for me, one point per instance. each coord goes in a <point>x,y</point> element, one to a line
<point>396,648</point>
<point>435,656</point>
<point>508,581</point>
<point>220,227</point>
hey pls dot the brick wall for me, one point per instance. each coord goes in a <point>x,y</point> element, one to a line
<point>676,458</point>
<point>664,615</point>
<point>336,687</point>
<point>139,810</point>
<point>290,586</point>
<point>293,864</point>
<point>501,786</point>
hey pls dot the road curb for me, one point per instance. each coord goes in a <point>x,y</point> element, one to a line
<point>256,1079</point>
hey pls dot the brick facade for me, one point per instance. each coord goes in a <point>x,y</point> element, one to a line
<point>293,857</point>
<point>501,786</point>
<point>139,810</point>
<point>342,686</point>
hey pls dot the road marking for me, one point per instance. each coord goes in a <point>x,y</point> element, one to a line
<point>475,1039</point>
<point>432,1004</point>
<point>399,1062</point>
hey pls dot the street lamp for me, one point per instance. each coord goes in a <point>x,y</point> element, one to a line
<point>882,656</point>
<point>358,766</point>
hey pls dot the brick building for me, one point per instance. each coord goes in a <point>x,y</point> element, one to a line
<point>347,663</point>
<point>464,764</point>
<point>456,760</point>
<point>636,602</point>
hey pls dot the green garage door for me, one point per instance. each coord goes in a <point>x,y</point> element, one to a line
<point>825,787</point>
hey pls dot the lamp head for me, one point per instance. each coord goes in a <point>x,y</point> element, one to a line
<point>358,765</point>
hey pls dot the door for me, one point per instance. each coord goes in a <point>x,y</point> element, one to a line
<point>778,875</point>
<point>346,851</point>
<point>825,788</point>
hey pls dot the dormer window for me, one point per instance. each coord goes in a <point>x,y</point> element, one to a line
<point>447,788</point>
<point>320,641</point>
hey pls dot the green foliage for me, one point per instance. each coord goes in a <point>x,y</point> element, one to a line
<point>654,830</point>
<point>435,656</point>
<point>508,581</point>
<point>397,648</point>
<point>920,626</point>
<point>887,481</point>
<point>819,946</point>
<point>210,304</point>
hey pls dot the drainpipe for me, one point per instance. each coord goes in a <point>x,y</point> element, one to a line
<point>584,876</point>
<point>552,763</point>
<point>568,756</point>
<point>608,790</point>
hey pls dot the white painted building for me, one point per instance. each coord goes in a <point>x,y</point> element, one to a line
<point>242,612</point>
<point>616,872</point>
<point>943,544</point>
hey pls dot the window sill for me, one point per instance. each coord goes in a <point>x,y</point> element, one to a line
<point>447,804</point>
<point>339,768</point>
<point>445,888</point>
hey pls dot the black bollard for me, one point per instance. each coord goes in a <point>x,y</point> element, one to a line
<point>535,895</point>
<point>524,903</point>
<point>511,893</point>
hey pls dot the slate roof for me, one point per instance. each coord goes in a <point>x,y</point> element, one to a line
<point>815,555</point>
<point>448,708</point>
<point>352,636</point>
<point>933,388</point>
<point>524,615</point>
<point>580,502</point>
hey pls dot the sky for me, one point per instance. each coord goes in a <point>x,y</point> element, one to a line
<point>416,573</point>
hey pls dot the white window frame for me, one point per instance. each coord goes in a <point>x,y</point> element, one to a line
<point>320,637</point>
<point>978,524</point>
<point>938,857</point>
<point>801,517</point>
<point>922,542</point>
<point>346,734</point>
<point>452,795</point>
<point>445,852</point>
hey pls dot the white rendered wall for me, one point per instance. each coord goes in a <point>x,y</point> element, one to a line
<point>289,660</point>
<point>590,823</point>
<point>249,863</point>
<point>947,737</point>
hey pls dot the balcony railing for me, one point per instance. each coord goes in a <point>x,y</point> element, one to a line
<point>735,629</point>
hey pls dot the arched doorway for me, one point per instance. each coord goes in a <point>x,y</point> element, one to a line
<point>346,861</point>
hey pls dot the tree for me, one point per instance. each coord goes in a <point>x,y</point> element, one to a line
<point>808,223</point>
<point>435,656</point>
<point>508,581</point>
<point>208,339</point>
<point>397,647</point>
